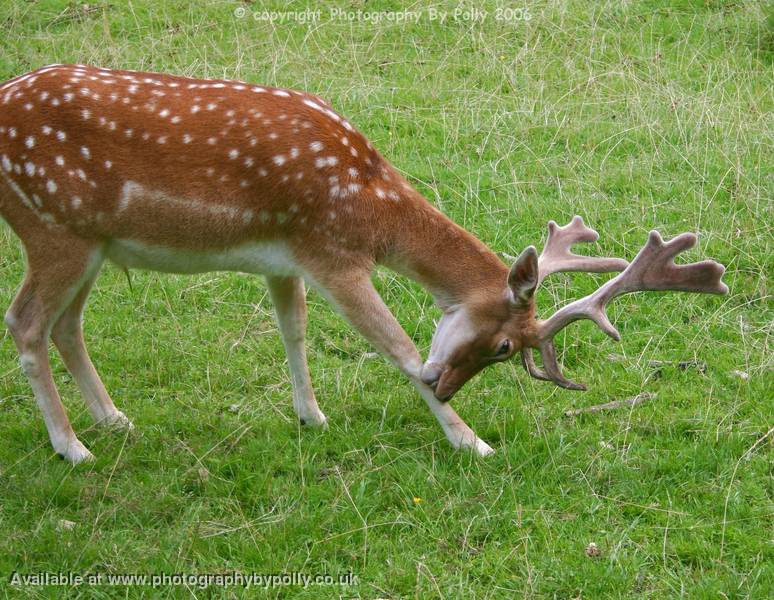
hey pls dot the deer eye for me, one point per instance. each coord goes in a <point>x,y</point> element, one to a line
<point>504,349</point>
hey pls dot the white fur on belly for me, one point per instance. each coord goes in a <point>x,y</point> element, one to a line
<point>268,258</point>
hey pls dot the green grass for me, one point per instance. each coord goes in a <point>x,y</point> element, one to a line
<point>632,114</point>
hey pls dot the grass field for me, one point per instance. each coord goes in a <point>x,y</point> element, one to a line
<point>636,115</point>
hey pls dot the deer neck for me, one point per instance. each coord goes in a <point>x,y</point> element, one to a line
<point>448,261</point>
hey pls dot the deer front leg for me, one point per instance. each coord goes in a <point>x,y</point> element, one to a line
<point>289,298</point>
<point>356,298</point>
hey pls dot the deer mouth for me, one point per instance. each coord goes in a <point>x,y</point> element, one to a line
<point>436,377</point>
<point>443,389</point>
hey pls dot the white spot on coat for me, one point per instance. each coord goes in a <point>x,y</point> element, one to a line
<point>321,162</point>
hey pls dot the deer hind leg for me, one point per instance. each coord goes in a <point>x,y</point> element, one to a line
<point>289,298</point>
<point>55,274</point>
<point>67,334</point>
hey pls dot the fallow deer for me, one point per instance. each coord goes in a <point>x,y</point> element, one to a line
<point>161,172</point>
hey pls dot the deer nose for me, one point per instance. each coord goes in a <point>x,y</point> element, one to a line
<point>431,373</point>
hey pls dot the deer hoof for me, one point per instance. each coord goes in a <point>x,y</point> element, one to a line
<point>76,453</point>
<point>481,448</point>
<point>315,420</point>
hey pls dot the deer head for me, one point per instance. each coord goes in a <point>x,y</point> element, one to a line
<point>475,334</point>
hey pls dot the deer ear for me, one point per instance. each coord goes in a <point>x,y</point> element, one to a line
<point>523,278</point>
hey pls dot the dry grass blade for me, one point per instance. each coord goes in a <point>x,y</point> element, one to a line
<point>638,399</point>
<point>79,13</point>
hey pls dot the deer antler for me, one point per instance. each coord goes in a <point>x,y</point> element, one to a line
<point>653,269</point>
<point>557,255</point>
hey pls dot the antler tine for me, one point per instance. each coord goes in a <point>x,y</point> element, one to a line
<point>551,365</point>
<point>552,371</point>
<point>528,362</point>
<point>653,269</point>
<point>557,255</point>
